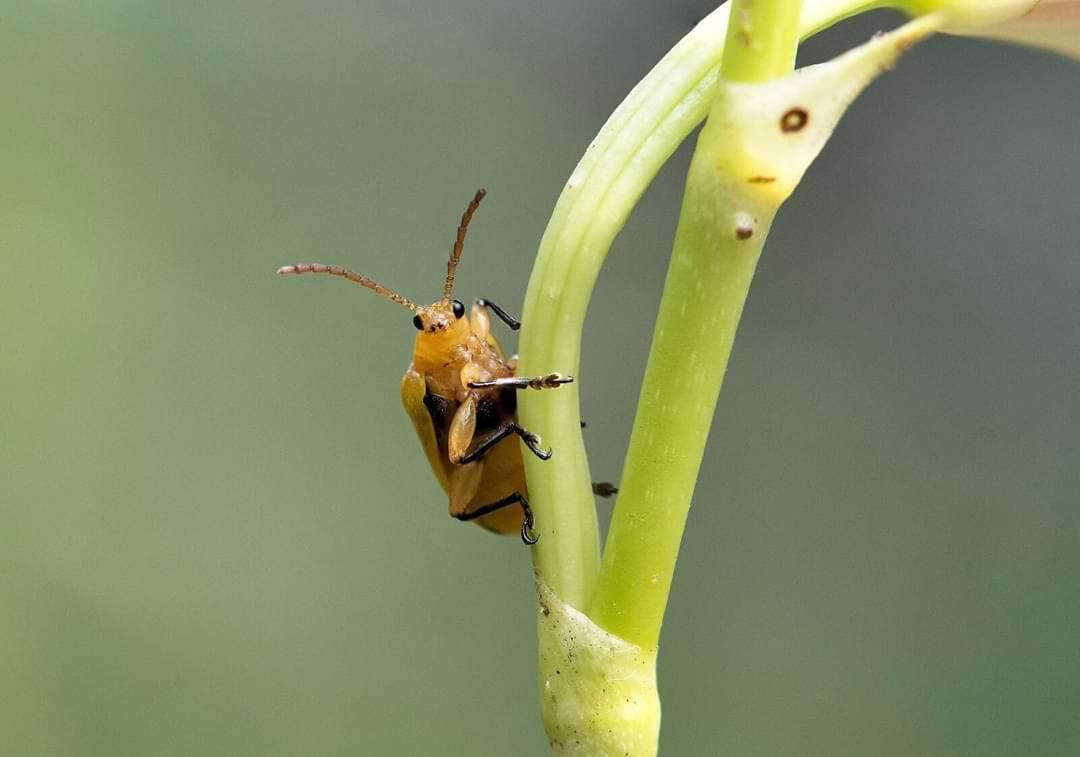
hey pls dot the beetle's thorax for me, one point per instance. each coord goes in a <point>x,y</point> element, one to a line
<point>441,356</point>
<point>435,348</point>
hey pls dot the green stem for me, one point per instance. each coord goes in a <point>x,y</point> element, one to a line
<point>762,39</point>
<point>630,149</point>
<point>622,160</point>
<point>720,236</point>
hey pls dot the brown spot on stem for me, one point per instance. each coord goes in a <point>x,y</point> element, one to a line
<point>794,120</point>
<point>761,179</point>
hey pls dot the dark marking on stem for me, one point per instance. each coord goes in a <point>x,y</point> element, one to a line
<point>604,489</point>
<point>745,29</point>
<point>761,179</point>
<point>794,120</point>
<point>744,232</point>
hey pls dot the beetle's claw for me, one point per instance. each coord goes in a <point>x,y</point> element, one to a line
<point>528,536</point>
<point>532,441</point>
<point>553,380</point>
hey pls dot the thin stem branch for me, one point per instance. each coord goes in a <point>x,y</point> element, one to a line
<point>625,156</point>
<point>762,38</point>
<point>597,667</point>
<point>622,160</point>
<point>721,232</point>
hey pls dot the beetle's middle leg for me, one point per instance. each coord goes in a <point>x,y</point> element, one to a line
<point>532,441</point>
<point>516,498</point>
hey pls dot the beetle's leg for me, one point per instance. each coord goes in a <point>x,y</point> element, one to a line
<point>462,429</point>
<point>550,381</point>
<point>604,489</point>
<point>532,441</point>
<point>505,317</point>
<point>527,535</point>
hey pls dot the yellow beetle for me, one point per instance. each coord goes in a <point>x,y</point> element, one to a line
<point>460,393</point>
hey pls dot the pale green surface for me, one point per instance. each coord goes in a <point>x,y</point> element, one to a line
<point>705,290</point>
<point>762,39</point>
<point>607,182</point>
<point>218,538</point>
<point>592,208</point>
<point>704,294</point>
<point>597,691</point>
<point>597,708</point>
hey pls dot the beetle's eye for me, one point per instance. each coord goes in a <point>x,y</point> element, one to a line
<point>416,321</point>
<point>459,309</point>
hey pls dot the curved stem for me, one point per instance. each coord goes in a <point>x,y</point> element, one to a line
<point>721,233</point>
<point>622,160</point>
<point>630,149</point>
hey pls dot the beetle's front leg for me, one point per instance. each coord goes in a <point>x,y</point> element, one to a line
<point>550,381</point>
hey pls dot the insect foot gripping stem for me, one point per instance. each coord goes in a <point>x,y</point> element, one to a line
<point>528,535</point>
<point>597,691</point>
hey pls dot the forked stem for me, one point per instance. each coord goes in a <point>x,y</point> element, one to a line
<point>638,138</point>
<point>750,156</point>
<point>721,233</point>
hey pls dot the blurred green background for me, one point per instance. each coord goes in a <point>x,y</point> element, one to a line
<point>217,533</point>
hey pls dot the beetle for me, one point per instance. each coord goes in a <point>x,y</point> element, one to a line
<point>460,392</point>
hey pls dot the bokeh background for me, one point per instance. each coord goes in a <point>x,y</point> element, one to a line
<point>217,532</point>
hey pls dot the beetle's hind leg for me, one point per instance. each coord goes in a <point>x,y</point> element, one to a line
<point>532,441</point>
<point>527,534</point>
<point>550,381</point>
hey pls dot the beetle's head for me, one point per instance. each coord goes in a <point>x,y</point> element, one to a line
<point>439,317</point>
<point>442,328</point>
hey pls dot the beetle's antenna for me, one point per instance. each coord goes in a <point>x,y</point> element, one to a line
<point>364,281</point>
<point>459,243</point>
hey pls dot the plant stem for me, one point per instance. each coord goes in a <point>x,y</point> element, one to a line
<point>758,141</point>
<point>762,38</point>
<point>622,160</point>
<point>597,668</point>
<point>721,232</point>
<point>642,133</point>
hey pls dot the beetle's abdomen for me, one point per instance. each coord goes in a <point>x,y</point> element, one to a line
<point>441,411</point>
<point>495,410</point>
